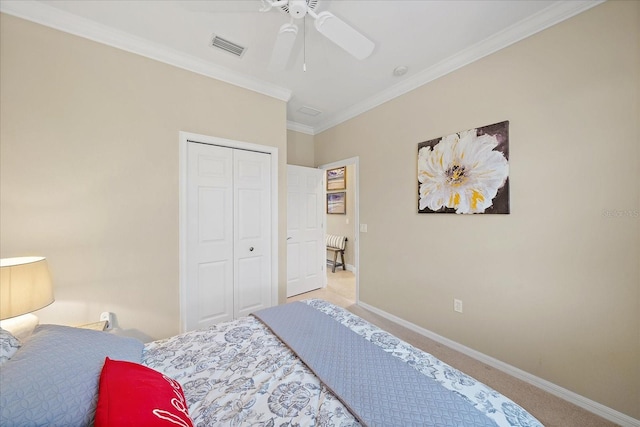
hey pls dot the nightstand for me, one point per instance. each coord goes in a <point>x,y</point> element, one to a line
<point>96,326</point>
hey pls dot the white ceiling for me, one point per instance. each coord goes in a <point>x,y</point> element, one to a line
<point>429,37</point>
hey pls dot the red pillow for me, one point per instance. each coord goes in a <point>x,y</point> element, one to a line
<point>134,395</point>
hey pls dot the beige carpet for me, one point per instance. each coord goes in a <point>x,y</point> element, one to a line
<point>549,409</point>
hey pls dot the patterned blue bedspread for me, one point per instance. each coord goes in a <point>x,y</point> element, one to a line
<point>379,388</point>
<point>239,373</point>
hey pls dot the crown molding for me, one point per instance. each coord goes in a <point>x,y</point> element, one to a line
<point>540,21</point>
<point>299,127</point>
<point>60,20</point>
<point>55,18</point>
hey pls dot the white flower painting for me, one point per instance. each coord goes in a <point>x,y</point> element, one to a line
<point>466,172</point>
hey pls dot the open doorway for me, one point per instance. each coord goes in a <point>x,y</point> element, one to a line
<point>341,287</point>
<point>344,221</point>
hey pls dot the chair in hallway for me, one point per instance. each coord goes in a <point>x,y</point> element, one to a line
<point>336,245</point>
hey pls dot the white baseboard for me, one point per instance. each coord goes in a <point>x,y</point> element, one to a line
<point>581,401</point>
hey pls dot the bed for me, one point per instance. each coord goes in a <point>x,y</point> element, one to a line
<point>251,372</point>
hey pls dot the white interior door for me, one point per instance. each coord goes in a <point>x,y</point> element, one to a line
<point>306,264</point>
<point>252,207</point>
<point>209,292</point>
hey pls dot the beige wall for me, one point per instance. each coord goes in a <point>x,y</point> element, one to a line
<point>300,150</point>
<point>89,169</point>
<point>552,288</point>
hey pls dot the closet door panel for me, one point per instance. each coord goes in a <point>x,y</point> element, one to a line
<point>209,292</point>
<point>249,285</point>
<point>252,215</point>
<point>210,305</point>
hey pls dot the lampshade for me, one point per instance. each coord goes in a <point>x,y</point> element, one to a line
<point>25,286</point>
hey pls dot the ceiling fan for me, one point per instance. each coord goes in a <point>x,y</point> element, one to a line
<point>327,24</point>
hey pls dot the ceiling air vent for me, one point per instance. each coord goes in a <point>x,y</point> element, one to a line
<point>227,46</point>
<point>309,111</point>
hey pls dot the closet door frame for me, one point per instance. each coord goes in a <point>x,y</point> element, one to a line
<point>184,139</point>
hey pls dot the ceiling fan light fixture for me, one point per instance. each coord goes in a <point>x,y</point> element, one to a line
<point>345,36</point>
<point>298,8</point>
<point>284,5</point>
<point>326,23</point>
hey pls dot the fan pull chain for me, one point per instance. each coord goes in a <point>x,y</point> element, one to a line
<point>304,45</point>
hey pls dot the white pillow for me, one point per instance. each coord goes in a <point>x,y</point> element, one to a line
<point>21,327</point>
<point>8,345</point>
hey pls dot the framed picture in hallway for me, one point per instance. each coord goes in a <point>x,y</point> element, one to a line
<point>337,178</point>
<point>337,203</point>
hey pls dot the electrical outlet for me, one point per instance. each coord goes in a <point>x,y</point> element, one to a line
<point>109,317</point>
<point>457,305</point>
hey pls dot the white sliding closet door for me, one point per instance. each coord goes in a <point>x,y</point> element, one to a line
<point>252,225</point>
<point>209,293</point>
<point>228,234</point>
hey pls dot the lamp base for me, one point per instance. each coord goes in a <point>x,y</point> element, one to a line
<point>21,326</point>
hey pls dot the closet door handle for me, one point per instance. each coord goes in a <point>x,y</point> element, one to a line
<point>251,249</point>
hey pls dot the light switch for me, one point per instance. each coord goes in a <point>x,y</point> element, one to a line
<point>363,228</point>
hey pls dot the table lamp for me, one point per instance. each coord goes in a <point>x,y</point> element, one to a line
<point>25,286</point>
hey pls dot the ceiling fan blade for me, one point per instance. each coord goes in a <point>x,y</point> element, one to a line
<point>344,35</point>
<point>220,6</point>
<point>282,49</point>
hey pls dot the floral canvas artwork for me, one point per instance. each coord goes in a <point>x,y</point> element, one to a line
<point>465,172</point>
